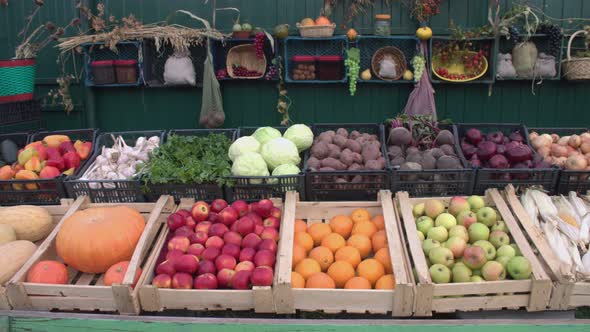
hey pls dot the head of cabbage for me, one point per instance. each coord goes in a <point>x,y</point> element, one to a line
<point>265,134</point>
<point>249,164</point>
<point>280,151</point>
<point>286,169</point>
<point>301,135</point>
<point>243,145</point>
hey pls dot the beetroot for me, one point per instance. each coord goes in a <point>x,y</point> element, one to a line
<point>496,137</point>
<point>512,145</point>
<point>516,136</point>
<point>465,145</point>
<point>506,140</point>
<point>474,136</point>
<point>541,164</point>
<point>499,161</point>
<point>501,149</point>
<point>469,152</point>
<point>485,150</point>
<point>519,153</point>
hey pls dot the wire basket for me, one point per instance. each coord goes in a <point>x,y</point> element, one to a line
<point>298,46</point>
<point>155,62</point>
<point>245,56</point>
<point>576,69</point>
<point>131,50</point>
<point>23,111</point>
<point>543,45</point>
<point>316,31</point>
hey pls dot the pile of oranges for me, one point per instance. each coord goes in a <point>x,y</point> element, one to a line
<point>349,252</point>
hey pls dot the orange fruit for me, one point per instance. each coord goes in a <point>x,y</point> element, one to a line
<point>382,255</point>
<point>379,222</point>
<point>371,270</point>
<point>322,20</point>
<point>362,243</point>
<point>297,280</point>
<point>323,256</point>
<point>319,280</point>
<point>366,228</point>
<point>299,253</point>
<point>300,226</point>
<point>304,240</point>
<point>379,240</point>
<point>307,267</point>
<point>341,272</point>
<point>348,254</point>
<point>360,215</point>
<point>386,282</point>
<point>358,283</point>
<point>333,241</point>
<point>341,225</point>
<point>318,232</point>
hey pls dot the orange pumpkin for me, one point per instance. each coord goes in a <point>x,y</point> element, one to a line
<point>352,34</point>
<point>116,273</point>
<point>322,20</point>
<point>94,239</point>
<point>48,272</point>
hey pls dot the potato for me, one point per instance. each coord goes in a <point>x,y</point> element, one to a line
<point>353,145</point>
<point>372,143</point>
<point>333,163</point>
<point>340,141</point>
<point>357,158</point>
<point>327,169</point>
<point>355,134</point>
<point>313,162</point>
<point>370,152</point>
<point>325,136</point>
<point>382,162</point>
<point>334,151</point>
<point>355,167</point>
<point>320,150</point>
<point>373,138</point>
<point>342,132</point>
<point>373,165</point>
<point>346,157</point>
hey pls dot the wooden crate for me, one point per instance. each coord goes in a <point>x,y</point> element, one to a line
<point>86,291</point>
<point>567,293</point>
<point>57,212</point>
<point>154,299</point>
<point>532,294</point>
<point>398,302</point>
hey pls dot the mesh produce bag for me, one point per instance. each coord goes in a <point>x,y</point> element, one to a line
<point>212,115</point>
<point>421,100</point>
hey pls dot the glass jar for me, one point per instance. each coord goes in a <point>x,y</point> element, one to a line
<point>382,25</point>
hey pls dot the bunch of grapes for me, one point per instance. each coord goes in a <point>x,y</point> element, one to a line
<point>241,71</point>
<point>353,69</point>
<point>514,34</point>
<point>271,73</point>
<point>221,74</point>
<point>259,44</point>
<point>555,35</point>
<point>418,62</point>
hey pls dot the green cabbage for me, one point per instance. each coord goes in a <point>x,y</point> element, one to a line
<point>243,145</point>
<point>265,134</point>
<point>286,169</point>
<point>280,151</point>
<point>249,164</point>
<point>301,135</point>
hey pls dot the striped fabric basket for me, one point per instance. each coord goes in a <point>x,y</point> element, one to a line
<point>17,80</point>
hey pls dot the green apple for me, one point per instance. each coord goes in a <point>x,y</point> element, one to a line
<point>418,210</point>
<point>438,233</point>
<point>477,272</point>
<point>459,263</point>
<point>487,216</point>
<point>424,224</point>
<point>446,220</point>
<point>434,207</point>
<point>506,251</point>
<point>474,257</point>
<point>458,204</point>
<point>461,273</point>
<point>428,245</point>
<point>475,202</point>
<point>440,274</point>
<point>478,232</point>
<point>476,279</point>
<point>457,245</point>
<point>442,256</point>
<point>503,260</point>
<point>499,238</point>
<point>420,236</point>
<point>487,247</point>
<point>500,225</point>
<point>466,218</point>
<point>516,249</point>
<point>519,268</point>
<point>493,271</point>
<point>459,231</point>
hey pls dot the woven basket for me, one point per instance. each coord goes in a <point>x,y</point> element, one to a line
<point>316,31</point>
<point>17,80</point>
<point>575,69</point>
<point>245,56</point>
<point>396,54</point>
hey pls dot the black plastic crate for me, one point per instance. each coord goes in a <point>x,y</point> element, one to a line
<point>20,139</point>
<point>254,188</point>
<point>497,178</point>
<point>109,191</point>
<point>321,186</point>
<point>543,44</point>
<point>578,181</point>
<point>23,111</point>
<point>44,192</point>
<point>198,191</point>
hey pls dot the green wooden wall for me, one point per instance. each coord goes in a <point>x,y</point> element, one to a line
<point>555,103</point>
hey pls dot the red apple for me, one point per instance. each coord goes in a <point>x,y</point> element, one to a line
<point>166,267</point>
<point>224,261</point>
<point>217,230</point>
<point>224,278</point>
<point>172,254</point>
<point>184,213</point>
<point>203,226</point>
<point>272,222</point>
<point>186,263</point>
<point>270,233</point>
<point>182,281</point>
<point>184,231</point>
<point>49,172</point>
<point>218,205</point>
<point>214,241</point>
<point>55,162</point>
<point>179,243</point>
<point>268,244</point>
<point>263,207</point>
<point>264,258</point>
<point>247,255</point>
<point>53,153</point>
<point>258,229</point>
<point>231,249</point>
<point>162,281</point>
<point>214,217</point>
<point>198,237</point>
<point>245,266</point>
<point>190,222</point>
<point>71,160</point>
<point>206,267</point>
<point>276,212</point>
<point>210,253</point>
<point>175,221</point>
<point>251,241</point>
<point>206,281</point>
<point>228,216</point>
<point>251,207</point>
<point>200,211</point>
<point>257,219</point>
<point>241,207</point>
<point>241,280</point>
<point>233,238</point>
<point>262,276</point>
<point>245,226</point>
<point>196,249</point>
<point>234,227</point>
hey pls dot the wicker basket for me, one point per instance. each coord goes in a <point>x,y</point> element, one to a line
<point>316,31</point>
<point>396,54</point>
<point>245,56</point>
<point>575,68</point>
